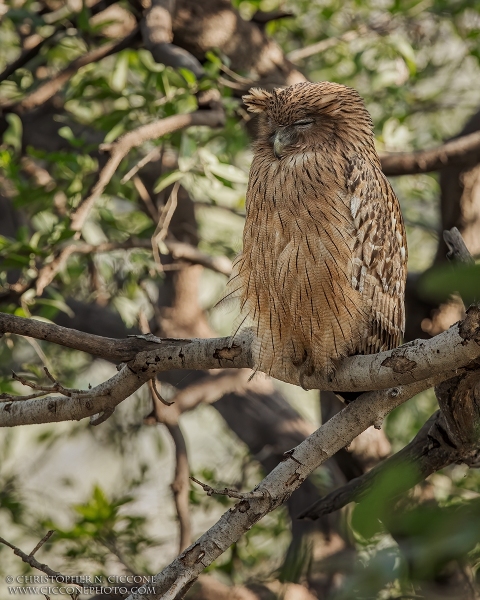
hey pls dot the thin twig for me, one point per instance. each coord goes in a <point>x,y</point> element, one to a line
<point>235,76</point>
<point>164,223</point>
<point>146,198</point>
<point>33,562</point>
<point>153,389</point>
<point>56,387</point>
<point>180,486</point>
<point>45,539</point>
<point>228,492</point>
<point>152,155</point>
<point>11,398</point>
<point>296,56</point>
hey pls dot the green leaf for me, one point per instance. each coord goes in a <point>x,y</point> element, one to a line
<point>83,18</point>
<point>188,76</point>
<point>228,172</point>
<point>439,283</point>
<point>58,304</point>
<point>120,72</point>
<point>13,133</point>
<point>402,46</point>
<point>376,505</point>
<point>168,179</point>
<point>114,133</point>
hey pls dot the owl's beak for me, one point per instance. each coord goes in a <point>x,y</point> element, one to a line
<point>281,139</point>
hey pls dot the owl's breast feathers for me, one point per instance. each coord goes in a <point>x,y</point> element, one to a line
<point>322,272</point>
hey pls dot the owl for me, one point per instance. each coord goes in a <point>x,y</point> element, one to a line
<point>322,272</point>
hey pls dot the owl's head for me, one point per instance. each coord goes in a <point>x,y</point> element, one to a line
<point>309,116</point>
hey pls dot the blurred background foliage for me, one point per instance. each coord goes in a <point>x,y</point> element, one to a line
<point>105,490</point>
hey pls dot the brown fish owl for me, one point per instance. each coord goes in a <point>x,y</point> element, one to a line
<point>323,267</point>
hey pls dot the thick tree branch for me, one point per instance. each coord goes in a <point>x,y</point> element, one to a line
<point>414,361</point>
<point>277,487</point>
<point>462,150</point>
<point>426,453</point>
<point>457,249</point>
<point>248,48</point>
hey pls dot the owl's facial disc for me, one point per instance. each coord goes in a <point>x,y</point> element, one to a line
<point>288,134</point>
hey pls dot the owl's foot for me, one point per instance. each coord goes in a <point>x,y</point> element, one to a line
<point>306,370</point>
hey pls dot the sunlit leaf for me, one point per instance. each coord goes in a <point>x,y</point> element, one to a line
<point>167,180</point>
<point>228,172</point>
<point>120,72</point>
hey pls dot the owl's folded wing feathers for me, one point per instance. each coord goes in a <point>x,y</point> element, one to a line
<point>380,254</point>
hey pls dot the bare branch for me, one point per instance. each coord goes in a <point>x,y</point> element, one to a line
<point>178,250</point>
<point>145,198</point>
<point>164,222</point>
<point>199,354</point>
<point>156,394</point>
<point>45,539</point>
<point>33,562</point>
<point>426,453</point>
<point>148,355</point>
<point>228,492</point>
<point>461,150</point>
<point>180,485</point>
<point>152,155</point>
<point>124,350</point>
<point>457,249</point>
<point>277,487</point>
<point>296,56</point>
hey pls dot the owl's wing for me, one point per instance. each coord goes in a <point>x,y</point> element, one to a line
<point>380,254</point>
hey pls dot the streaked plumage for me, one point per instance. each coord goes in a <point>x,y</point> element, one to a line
<point>323,267</point>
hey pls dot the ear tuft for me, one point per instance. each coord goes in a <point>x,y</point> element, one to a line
<point>257,100</point>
